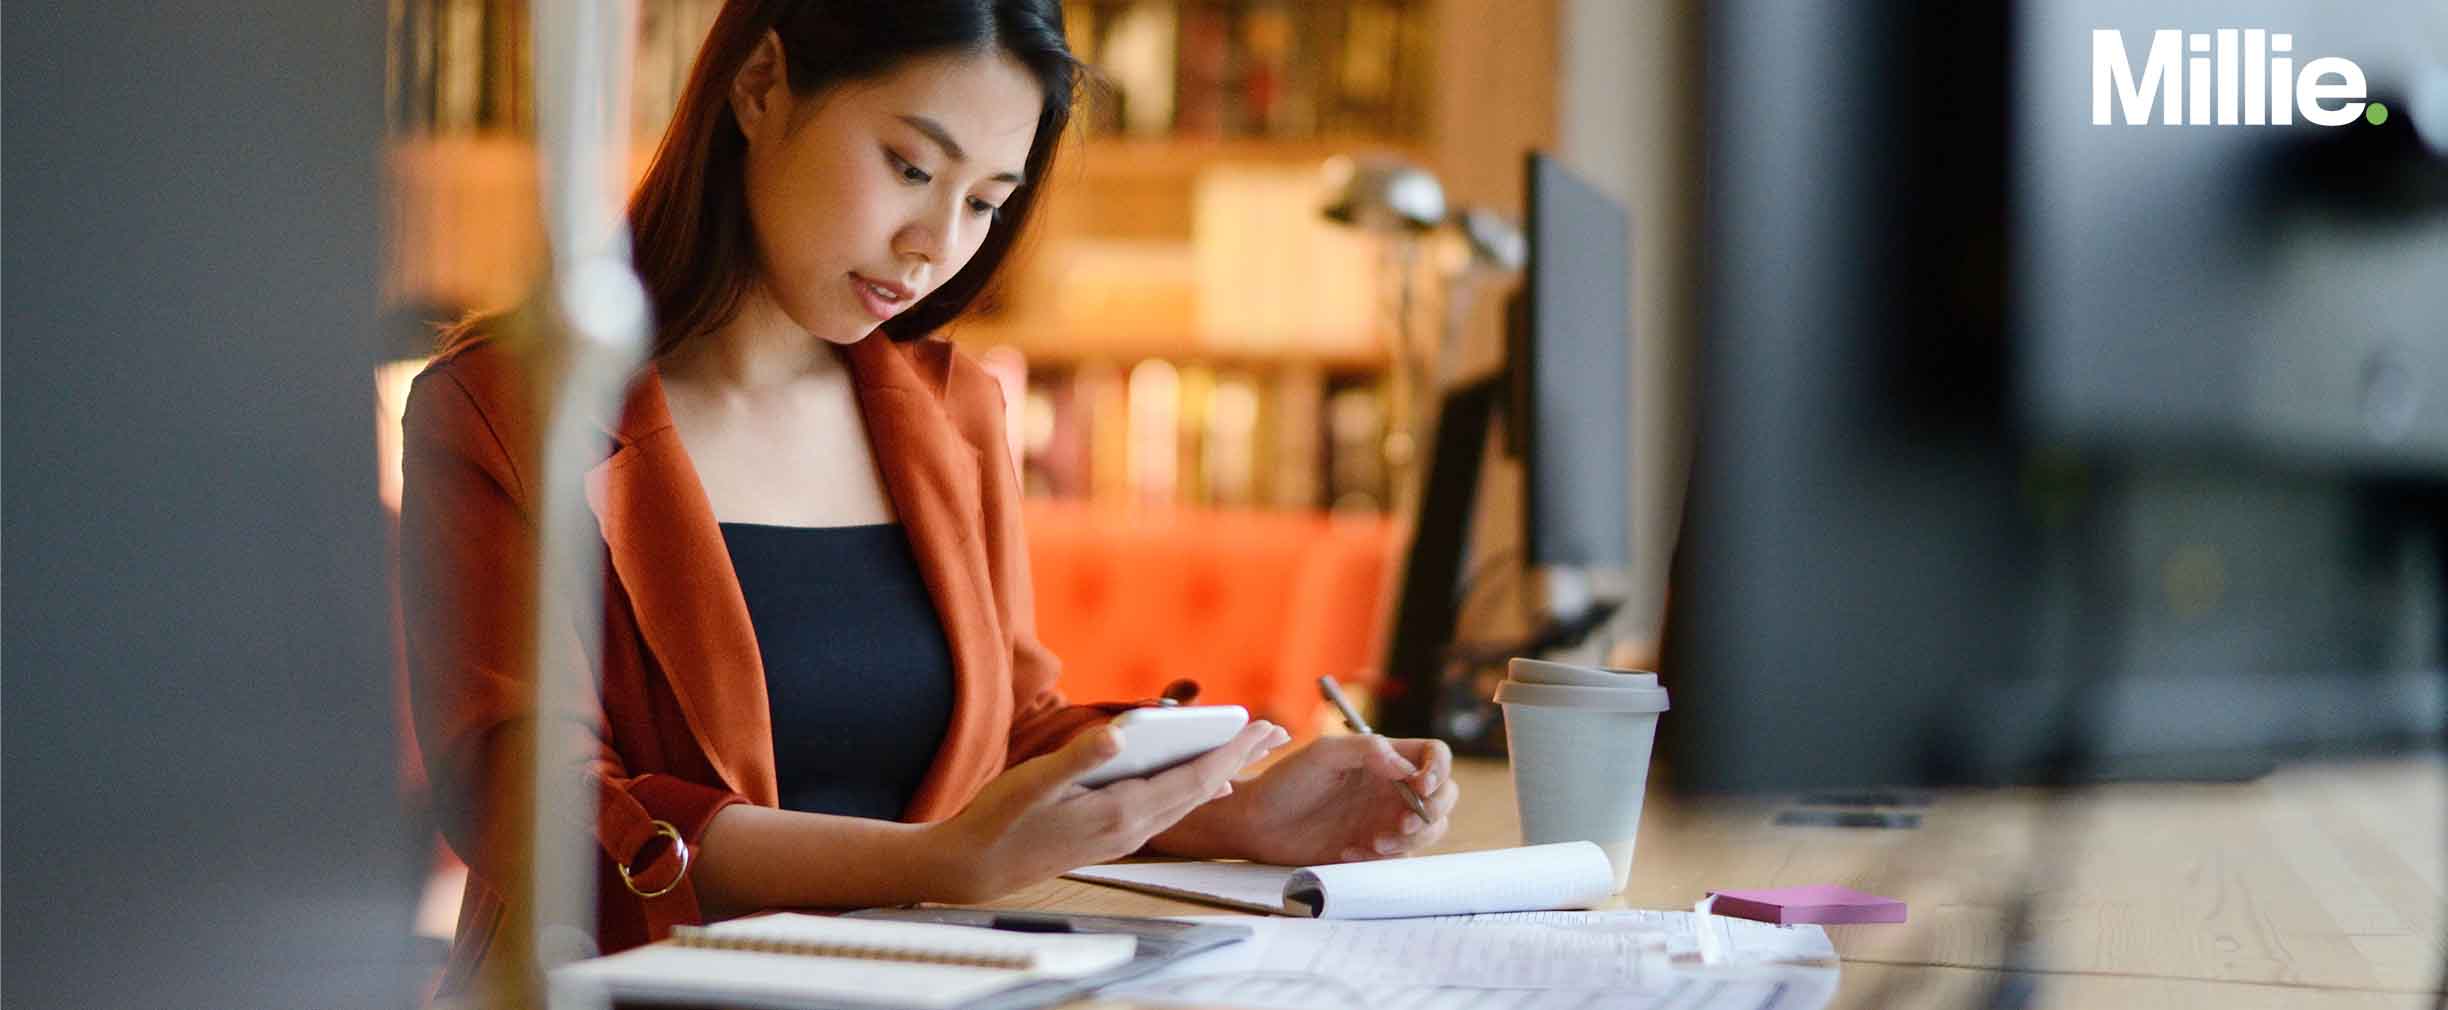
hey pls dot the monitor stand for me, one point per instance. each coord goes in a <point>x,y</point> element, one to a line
<point>1411,699</point>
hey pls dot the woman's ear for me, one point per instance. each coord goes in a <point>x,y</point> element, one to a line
<point>753,94</point>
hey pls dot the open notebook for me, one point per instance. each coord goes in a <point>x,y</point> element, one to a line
<point>1530,878</point>
<point>787,960</point>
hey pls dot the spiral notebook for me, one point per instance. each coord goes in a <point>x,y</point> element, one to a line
<point>1528,878</point>
<point>789,961</point>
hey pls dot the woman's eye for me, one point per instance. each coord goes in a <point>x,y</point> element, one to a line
<point>981,208</point>
<point>909,173</point>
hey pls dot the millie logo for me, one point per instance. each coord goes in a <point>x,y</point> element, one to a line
<point>2256,81</point>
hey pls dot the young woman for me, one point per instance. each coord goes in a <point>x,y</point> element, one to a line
<point>819,681</point>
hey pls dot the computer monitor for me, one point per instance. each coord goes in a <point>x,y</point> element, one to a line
<point>1569,358</point>
<point>2033,449</point>
<point>1559,404</point>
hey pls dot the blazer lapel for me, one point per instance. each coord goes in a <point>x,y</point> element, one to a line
<point>931,473</point>
<point>668,553</point>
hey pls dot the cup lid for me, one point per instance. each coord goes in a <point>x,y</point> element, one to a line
<point>1649,698</point>
<point>1540,671</point>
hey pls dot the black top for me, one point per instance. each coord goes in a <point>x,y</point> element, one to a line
<point>857,671</point>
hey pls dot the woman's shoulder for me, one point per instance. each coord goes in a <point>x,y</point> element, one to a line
<point>470,398</point>
<point>469,352</point>
<point>470,369</point>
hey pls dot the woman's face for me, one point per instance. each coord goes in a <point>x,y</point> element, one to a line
<point>869,195</point>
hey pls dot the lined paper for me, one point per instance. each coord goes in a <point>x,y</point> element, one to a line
<point>1612,960</point>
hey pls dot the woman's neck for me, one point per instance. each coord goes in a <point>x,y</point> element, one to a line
<point>759,348</point>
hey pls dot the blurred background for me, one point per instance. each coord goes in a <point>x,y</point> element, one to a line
<point>1994,410</point>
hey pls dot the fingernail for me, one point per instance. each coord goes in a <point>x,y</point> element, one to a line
<point>1412,823</point>
<point>1386,846</point>
<point>1354,855</point>
<point>1428,784</point>
<point>1221,792</point>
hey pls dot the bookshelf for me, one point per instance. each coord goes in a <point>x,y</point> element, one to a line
<point>1180,234</point>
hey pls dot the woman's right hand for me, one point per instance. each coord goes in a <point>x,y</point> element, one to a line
<point>1036,822</point>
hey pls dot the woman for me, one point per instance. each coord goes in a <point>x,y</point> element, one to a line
<point>819,680</point>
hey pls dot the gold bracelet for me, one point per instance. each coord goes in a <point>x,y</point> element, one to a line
<point>664,829</point>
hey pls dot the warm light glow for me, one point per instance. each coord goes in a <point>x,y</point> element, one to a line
<point>1155,431</point>
<point>391,383</point>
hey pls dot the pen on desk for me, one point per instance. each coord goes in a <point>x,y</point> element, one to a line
<point>1351,718</point>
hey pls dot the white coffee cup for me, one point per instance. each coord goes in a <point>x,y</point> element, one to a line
<point>1580,753</point>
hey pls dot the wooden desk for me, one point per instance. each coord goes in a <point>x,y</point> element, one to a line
<point>2319,887</point>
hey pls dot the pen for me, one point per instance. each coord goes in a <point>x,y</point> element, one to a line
<point>1351,718</point>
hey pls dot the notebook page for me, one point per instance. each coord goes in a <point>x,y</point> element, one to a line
<point>1562,875</point>
<point>1062,954</point>
<point>743,978</point>
<point>1254,886</point>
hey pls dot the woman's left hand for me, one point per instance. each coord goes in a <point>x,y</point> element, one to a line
<point>1337,800</point>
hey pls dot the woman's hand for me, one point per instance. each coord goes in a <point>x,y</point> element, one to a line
<point>1035,822</point>
<point>1337,800</point>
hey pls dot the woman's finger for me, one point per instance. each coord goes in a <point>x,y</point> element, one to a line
<point>1136,809</point>
<point>1250,744</point>
<point>1385,761</point>
<point>1198,781</point>
<point>1417,833</point>
<point>1050,773</point>
<point>1441,803</point>
<point>1434,761</point>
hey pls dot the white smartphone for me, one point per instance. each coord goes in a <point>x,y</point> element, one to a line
<point>1154,739</point>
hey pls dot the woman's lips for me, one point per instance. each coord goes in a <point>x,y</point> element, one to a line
<point>882,299</point>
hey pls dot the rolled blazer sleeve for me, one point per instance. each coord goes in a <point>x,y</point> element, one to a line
<point>469,547</point>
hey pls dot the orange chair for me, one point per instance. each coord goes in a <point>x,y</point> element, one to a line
<point>1253,605</point>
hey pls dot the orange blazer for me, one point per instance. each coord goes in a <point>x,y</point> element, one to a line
<point>681,729</point>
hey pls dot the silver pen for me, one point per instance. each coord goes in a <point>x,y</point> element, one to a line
<point>1351,718</point>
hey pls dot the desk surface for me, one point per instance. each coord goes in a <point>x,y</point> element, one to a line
<point>2318,887</point>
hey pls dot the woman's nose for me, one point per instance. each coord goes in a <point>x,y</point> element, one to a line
<point>914,243</point>
<point>932,236</point>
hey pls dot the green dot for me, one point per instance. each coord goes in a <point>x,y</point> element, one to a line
<point>2375,113</point>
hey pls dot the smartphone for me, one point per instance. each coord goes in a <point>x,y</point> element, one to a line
<point>1154,739</point>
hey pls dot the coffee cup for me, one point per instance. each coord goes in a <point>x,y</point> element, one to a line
<point>1579,739</point>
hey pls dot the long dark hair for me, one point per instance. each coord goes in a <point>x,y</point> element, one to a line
<point>689,216</point>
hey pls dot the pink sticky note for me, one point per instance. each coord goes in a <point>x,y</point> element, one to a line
<point>1821,903</point>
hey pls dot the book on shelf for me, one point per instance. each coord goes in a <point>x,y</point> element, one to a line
<point>1357,479</point>
<point>1287,436</point>
<point>1196,68</point>
<point>1272,68</point>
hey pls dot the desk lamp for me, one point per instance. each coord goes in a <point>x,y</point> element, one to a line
<point>1405,204</point>
<point>1400,202</point>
